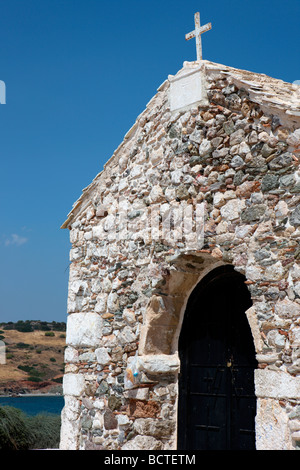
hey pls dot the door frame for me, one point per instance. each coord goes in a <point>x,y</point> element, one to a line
<point>224,271</point>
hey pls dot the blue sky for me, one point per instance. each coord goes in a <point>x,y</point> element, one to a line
<point>77,74</point>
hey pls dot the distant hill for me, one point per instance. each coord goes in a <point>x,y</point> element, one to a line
<point>34,357</point>
<point>32,325</point>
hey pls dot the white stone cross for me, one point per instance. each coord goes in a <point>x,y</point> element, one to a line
<point>197,34</point>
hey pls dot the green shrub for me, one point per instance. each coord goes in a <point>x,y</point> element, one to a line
<point>27,369</point>
<point>22,345</point>
<point>58,380</point>
<point>44,431</point>
<point>23,326</point>
<point>49,333</point>
<point>14,433</point>
<point>19,431</point>
<point>31,370</point>
<point>52,359</point>
<point>34,378</point>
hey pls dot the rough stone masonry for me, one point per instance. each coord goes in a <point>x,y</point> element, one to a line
<point>215,139</point>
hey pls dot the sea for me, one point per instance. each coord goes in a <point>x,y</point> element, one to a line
<point>33,405</point>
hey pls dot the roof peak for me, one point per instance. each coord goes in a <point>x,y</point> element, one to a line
<point>274,96</point>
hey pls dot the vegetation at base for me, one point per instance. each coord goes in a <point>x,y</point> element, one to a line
<point>19,431</point>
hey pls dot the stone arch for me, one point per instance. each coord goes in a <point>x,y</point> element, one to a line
<point>165,311</point>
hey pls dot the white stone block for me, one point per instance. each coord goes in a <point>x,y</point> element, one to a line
<point>102,356</point>
<point>73,384</point>
<point>113,302</point>
<point>279,385</point>
<point>142,443</point>
<point>123,420</point>
<point>84,329</point>
<point>231,210</point>
<point>272,430</point>
<point>100,306</point>
<point>160,363</point>
<point>274,272</point>
<point>295,337</point>
<point>287,309</point>
<point>71,355</point>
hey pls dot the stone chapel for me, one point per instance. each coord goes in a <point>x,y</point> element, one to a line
<point>183,328</point>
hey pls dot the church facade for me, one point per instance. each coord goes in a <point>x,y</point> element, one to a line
<point>183,327</point>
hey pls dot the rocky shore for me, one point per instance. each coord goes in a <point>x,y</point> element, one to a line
<point>25,387</point>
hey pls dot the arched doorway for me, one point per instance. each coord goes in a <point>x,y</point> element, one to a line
<point>217,403</point>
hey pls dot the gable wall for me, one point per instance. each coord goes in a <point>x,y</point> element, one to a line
<point>128,286</point>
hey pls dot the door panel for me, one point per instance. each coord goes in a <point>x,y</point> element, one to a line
<point>217,404</point>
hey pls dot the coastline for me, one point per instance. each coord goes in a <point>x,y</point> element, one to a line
<point>28,388</point>
<point>16,395</point>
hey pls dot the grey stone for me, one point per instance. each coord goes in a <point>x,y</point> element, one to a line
<point>182,192</point>
<point>216,141</point>
<point>134,214</point>
<point>295,189</point>
<point>237,137</point>
<point>256,149</point>
<point>266,151</point>
<point>229,89</point>
<point>281,161</point>
<point>220,153</point>
<point>275,123</point>
<point>233,101</point>
<point>196,136</point>
<point>86,423</point>
<point>262,254</point>
<point>183,148</point>
<point>287,180</point>
<point>251,214</point>
<point>103,388</point>
<point>295,217</point>
<point>173,133</point>
<point>228,127</point>
<point>237,162</point>
<point>269,182</point>
<point>257,166</point>
<point>114,403</point>
<point>195,160</point>
<point>238,178</point>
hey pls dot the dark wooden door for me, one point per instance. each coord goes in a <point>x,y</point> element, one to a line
<point>217,403</point>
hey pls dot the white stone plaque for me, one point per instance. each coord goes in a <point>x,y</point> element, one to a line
<point>187,88</point>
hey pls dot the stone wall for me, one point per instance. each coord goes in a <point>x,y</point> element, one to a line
<point>129,282</point>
